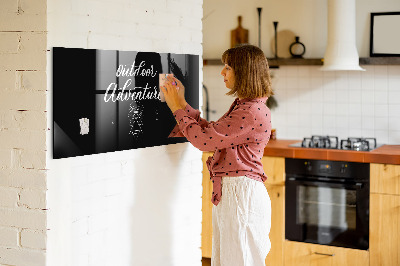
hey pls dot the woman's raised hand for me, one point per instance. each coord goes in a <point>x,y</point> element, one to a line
<point>181,91</point>
<point>174,93</point>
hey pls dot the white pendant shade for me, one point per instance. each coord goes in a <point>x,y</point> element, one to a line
<point>341,51</point>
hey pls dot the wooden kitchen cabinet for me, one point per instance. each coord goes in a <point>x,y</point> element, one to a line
<point>385,215</point>
<point>277,233</point>
<point>206,225</point>
<point>306,254</point>
<point>385,178</point>
<point>384,236</point>
<point>274,168</point>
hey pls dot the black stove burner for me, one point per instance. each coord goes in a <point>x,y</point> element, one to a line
<point>358,144</point>
<point>327,142</point>
<point>332,142</point>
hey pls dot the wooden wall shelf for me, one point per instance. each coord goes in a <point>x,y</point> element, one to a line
<point>273,63</point>
<point>295,62</point>
<point>380,61</point>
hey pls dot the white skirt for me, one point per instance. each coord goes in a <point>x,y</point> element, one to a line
<point>241,223</point>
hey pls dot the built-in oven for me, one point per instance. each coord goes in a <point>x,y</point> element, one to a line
<point>327,202</point>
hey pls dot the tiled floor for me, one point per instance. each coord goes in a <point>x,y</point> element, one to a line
<point>206,261</point>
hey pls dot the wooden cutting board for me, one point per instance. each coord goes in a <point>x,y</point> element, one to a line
<point>239,35</point>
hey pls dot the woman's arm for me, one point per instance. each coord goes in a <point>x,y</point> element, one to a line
<point>193,113</point>
<point>237,128</point>
<point>175,98</point>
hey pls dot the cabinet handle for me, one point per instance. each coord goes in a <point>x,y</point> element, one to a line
<point>325,254</point>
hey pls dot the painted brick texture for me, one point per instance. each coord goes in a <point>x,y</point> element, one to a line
<point>23,132</point>
<point>136,207</point>
<point>111,209</point>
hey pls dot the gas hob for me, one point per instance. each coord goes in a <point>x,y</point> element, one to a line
<point>332,142</point>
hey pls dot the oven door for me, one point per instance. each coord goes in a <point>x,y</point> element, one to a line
<point>327,213</point>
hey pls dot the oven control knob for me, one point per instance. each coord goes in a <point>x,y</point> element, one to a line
<point>308,166</point>
<point>343,168</point>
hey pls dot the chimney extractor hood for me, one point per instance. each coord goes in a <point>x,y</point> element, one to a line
<point>341,51</point>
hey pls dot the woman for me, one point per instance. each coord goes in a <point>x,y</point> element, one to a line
<point>242,207</point>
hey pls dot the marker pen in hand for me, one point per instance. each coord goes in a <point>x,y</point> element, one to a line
<point>162,79</point>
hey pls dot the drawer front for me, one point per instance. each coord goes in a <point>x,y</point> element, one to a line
<point>298,253</point>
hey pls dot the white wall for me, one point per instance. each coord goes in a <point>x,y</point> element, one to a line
<point>344,103</point>
<point>311,102</point>
<point>23,132</point>
<point>136,207</point>
<point>305,18</point>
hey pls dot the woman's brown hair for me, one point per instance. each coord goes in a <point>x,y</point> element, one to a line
<point>250,66</point>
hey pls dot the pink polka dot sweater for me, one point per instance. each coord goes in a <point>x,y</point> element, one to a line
<point>238,139</point>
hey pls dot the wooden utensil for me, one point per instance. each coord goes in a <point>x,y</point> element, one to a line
<point>239,35</point>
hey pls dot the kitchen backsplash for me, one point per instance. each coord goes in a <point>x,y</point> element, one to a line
<point>314,102</point>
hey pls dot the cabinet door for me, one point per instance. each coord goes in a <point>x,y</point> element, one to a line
<point>384,229</point>
<point>277,233</point>
<point>206,232</point>
<point>385,178</point>
<point>305,254</point>
<point>274,168</point>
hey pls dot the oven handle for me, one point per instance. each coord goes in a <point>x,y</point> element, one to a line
<point>357,185</point>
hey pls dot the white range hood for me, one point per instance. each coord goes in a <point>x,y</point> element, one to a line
<point>341,51</point>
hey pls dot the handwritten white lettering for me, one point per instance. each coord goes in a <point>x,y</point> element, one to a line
<point>140,70</point>
<point>125,94</point>
<point>137,93</point>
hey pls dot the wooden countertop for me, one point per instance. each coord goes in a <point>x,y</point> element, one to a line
<point>389,154</point>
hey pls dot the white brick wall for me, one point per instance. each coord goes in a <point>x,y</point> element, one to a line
<point>136,207</point>
<point>23,128</point>
<point>313,102</point>
<point>24,256</point>
<point>100,206</point>
<point>23,178</point>
<point>9,237</point>
<point>8,197</point>
<point>33,239</point>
